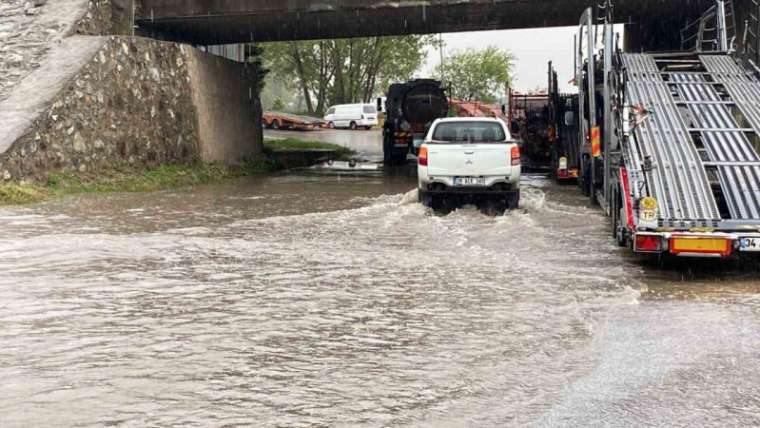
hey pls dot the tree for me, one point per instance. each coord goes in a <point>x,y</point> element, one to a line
<point>348,70</point>
<point>482,75</point>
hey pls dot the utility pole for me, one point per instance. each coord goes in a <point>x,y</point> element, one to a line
<point>440,50</point>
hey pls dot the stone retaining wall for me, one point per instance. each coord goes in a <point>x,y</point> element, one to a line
<point>140,102</point>
<point>28,33</point>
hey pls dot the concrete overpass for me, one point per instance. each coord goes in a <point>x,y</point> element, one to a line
<point>210,22</point>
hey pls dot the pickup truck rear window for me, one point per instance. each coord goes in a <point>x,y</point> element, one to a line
<point>469,132</point>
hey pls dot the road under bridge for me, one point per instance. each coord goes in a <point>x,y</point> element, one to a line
<point>211,22</point>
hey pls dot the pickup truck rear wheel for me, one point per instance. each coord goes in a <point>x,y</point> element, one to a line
<point>430,200</point>
<point>513,200</point>
<point>494,206</point>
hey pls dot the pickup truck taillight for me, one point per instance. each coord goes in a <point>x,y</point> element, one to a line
<point>515,155</point>
<point>422,157</point>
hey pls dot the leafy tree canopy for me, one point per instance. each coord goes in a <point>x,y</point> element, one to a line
<point>328,72</point>
<point>482,75</point>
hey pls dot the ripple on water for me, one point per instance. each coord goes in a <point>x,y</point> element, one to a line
<point>378,313</point>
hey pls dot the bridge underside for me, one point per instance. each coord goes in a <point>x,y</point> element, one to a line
<point>209,22</point>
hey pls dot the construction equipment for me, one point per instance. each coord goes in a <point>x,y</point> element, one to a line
<point>670,142</point>
<point>410,110</point>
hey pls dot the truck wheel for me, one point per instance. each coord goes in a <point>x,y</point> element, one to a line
<point>352,126</point>
<point>330,125</point>
<point>620,233</point>
<point>275,124</point>
<point>513,200</point>
<point>387,151</point>
<point>584,181</point>
<point>398,158</point>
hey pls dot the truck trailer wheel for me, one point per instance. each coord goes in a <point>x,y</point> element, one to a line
<point>621,235</point>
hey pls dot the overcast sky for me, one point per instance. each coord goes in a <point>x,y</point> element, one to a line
<point>533,49</point>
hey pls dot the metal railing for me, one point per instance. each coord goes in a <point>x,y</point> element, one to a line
<point>751,37</point>
<point>714,31</point>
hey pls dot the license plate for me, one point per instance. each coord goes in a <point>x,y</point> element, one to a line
<point>469,181</point>
<point>749,244</point>
<point>699,245</point>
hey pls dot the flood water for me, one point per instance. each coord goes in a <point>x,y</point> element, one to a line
<point>312,300</point>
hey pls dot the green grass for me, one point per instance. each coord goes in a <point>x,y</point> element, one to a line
<point>163,177</point>
<point>19,194</point>
<point>118,180</point>
<point>133,180</point>
<point>296,144</point>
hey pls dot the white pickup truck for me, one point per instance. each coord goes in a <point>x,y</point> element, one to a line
<point>469,160</point>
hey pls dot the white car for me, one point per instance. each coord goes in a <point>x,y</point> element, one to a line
<point>351,116</point>
<point>469,160</point>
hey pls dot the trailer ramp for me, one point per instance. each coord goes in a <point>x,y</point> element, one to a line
<point>701,137</point>
<point>724,104</point>
<point>677,177</point>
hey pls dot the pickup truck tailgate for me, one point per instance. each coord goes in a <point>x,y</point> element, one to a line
<point>469,159</point>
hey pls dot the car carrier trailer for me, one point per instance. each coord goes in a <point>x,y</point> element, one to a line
<point>280,120</point>
<point>670,143</point>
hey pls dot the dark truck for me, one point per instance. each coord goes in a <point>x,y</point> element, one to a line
<point>563,131</point>
<point>410,110</point>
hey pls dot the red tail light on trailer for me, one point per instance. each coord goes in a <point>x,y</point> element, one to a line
<point>648,244</point>
<point>515,155</point>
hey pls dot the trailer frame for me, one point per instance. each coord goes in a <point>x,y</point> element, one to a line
<point>678,164</point>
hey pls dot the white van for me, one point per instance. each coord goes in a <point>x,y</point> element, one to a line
<point>351,116</point>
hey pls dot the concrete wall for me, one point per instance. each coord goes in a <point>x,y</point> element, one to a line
<point>129,104</point>
<point>222,92</point>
